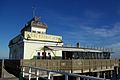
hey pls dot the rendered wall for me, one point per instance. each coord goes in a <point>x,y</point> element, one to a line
<point>31,48</point>
<point>42,30</point>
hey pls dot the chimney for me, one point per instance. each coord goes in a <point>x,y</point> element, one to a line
<point>78,45</point>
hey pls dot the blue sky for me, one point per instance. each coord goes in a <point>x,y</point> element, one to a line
<point>90,22</point>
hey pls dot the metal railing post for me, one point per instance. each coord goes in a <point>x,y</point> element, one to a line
<point>49,75</point>
<point>23,71</point>
<point>29,73</point>
<point>37,75</point>
<point>77,78</point>
<point>83,78</point>
<point>66,77</point>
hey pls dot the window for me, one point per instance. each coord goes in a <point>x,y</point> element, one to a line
<point>38,55</point>
<point>38,32</point>
<point>34,31</point>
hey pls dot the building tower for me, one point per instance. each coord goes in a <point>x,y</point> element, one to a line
<point>31,41</point>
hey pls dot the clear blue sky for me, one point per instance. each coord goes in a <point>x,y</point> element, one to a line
<point>90,22</point>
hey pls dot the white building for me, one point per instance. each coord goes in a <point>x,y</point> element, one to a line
<point>32,40</point>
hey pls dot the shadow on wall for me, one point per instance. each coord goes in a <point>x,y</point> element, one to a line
<point>12,67</point>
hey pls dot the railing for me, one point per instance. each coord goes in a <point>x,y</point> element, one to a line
<point>49,74</point>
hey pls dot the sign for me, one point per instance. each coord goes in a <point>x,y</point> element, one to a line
<point>42,37</point>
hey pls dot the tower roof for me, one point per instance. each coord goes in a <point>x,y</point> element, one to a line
<point>35,22</point>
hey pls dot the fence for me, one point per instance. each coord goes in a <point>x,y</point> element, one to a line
<point>36,72</point>
<point>72,65</point>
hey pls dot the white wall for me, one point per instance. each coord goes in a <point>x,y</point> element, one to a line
<point>32,47</point>
<point>41,30</point>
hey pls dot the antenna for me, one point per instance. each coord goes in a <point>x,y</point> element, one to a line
<point>34,10</point>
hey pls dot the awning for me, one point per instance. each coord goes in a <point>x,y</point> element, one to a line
<point>71,49</point>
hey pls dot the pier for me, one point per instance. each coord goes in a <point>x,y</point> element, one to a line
<point>36,54</point>
<point>84,68</point>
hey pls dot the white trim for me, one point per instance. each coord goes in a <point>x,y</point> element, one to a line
<point>72,49</point>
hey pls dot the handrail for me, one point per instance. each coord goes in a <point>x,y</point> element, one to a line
<point>57,72</point>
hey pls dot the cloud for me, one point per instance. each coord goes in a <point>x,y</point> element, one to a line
<point>110,31</point>
<point>116,46</point>
<point>116,49</point>
<point>92,14</point>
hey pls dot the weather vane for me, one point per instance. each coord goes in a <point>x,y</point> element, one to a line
<point>34,10</point>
